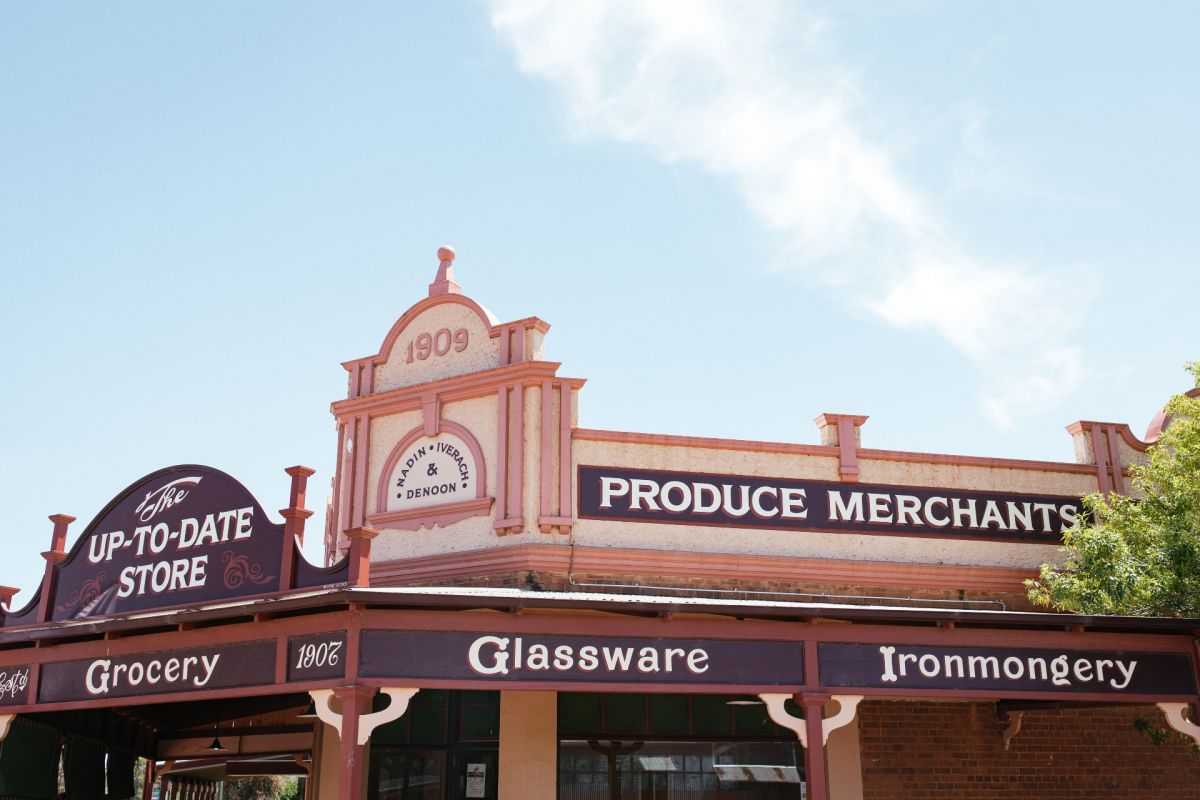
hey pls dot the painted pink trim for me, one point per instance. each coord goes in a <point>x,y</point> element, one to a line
<point>431,412</point>
<point>1162,419</point>
<point>532,323</point>
<point>847,433</point>
<point>669,440</point>
<point>546,442</point>
<point>518,344</point>
<point>516,454</point>
<point>334,499</point>
<point>501,457</point>
<point>443,282</point>
<point>505,344</point>
<point>406,441</point>
<point>368,376</point>
<point>362,448</point>
<point>1100,451</point>
<point>355,368</point>
<point>460,387</point>
<point>1114,460</point>
<point>389,341</point>
<point>345,475</point>
<point>566,471</point>
<point>629,561</point>
<point>431,516</point>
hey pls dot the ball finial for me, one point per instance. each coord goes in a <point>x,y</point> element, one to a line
<point>445,253</point>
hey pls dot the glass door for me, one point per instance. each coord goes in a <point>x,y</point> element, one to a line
<point>473,773</point>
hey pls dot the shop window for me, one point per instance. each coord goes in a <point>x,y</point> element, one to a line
<point>407,774</point>
<point>680,770</point>
<point>579,712</point>
<point>425,722</point>
<point>705,715</point>
<point>479,715</point>
<point>29,759</point>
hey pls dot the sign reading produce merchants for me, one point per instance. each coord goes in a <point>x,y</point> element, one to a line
<point>694,498</point>
<point>182,535</point>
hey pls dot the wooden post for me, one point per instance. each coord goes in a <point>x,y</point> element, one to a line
<point>54,556</point>
<point>353,755</point>
<point>293,527</point>
<point>360,556</point>
<point>148,780</point>
<point>814,754</point>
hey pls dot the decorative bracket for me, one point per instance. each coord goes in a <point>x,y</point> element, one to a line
<point>1013,728</point>
<point>5,724</point>
<point>1174,714</point>
<point>367,723</point>
<point>847,707</point>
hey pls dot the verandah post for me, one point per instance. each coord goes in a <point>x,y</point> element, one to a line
<point>353,755</point>
<point>814,753</point>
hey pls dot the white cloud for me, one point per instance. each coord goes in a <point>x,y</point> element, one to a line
<point>756,94</point>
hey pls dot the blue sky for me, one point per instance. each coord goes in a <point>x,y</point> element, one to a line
<point>975,223</point>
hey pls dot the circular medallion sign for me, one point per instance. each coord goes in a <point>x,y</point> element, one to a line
<point>432,471</point>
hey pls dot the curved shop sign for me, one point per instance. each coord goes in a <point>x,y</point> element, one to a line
<point>183,535</point>
<point>694,498</point>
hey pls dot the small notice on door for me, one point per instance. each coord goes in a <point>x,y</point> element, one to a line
<point>476,780</point>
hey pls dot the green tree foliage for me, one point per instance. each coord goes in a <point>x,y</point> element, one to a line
<point>267,787</point>
<point>1140,555</point>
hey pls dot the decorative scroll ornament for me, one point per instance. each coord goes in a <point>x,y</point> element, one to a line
<point>239,569</point>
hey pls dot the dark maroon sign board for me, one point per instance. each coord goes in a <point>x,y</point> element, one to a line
<point>316,656</point>
<point>1001,669</point>
<point>164,671</point>
<point>14,685</point>
<point>597,659</point>
<point>742,501</point>
<point>183,536</point>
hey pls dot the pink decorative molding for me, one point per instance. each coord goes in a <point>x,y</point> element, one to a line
<point>449,390</point>
<point>796,572</point>
<point>431,412</point>
<point>431,516</point>
<point>556,511</point>
<point>501,457</point>
<point>1162,419</point>
<point>826,451</point>
<point>841,430</point>
<point>393,335</point>
<point>511,518</point>
<point>1103,438</point>
<point>362,446</point>
<point>444,282</point>
<point>382,487</point>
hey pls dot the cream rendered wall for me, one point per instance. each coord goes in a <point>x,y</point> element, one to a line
<point>328,762</point>
<point>477,415</point>
<point>843,759</point>
<point>528,745</point>
<point>482,352</point>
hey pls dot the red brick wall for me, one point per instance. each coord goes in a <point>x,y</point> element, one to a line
<point>932,751</point>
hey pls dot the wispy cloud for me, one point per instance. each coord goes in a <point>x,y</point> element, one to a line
<point>758,94</point>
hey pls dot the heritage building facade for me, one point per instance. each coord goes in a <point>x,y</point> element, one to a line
<point>515,606</point>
